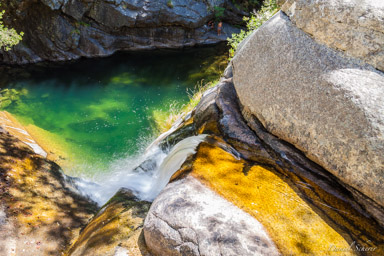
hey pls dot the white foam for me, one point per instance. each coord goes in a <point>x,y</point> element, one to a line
<point>146,184</point>
<point>172,163</point>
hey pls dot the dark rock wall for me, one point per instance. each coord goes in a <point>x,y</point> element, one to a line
<point>58,30</point>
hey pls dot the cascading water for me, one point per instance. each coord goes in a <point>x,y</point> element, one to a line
<point>145,175</point>
<point>172,163</point>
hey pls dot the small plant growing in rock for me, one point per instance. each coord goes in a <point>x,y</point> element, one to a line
<point>257,19</point>
<point>75,31</point>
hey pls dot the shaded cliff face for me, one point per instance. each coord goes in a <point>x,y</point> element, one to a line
<point>58,30</point>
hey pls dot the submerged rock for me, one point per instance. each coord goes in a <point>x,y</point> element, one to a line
<point>58,30</point>
<point>327,105</point>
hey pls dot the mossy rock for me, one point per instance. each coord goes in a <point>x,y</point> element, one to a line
<point>115,228</point>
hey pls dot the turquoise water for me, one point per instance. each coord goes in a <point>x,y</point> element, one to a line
<point>104,109</point>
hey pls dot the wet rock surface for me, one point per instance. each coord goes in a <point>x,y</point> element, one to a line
<point>64,30</point>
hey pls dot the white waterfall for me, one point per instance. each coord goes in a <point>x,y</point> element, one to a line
<point>172,163</point>
<point>145,175</point>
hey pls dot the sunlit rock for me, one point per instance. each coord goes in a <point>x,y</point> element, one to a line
<point>284,207</point>
<point>304,209</point>
<point>352,26</point>
<point>187,218</point>
<point>327,105</point>
<point>115,229</point>
<point>43,213</point>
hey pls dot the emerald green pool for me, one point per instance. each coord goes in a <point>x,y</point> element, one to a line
<point>104,109</point>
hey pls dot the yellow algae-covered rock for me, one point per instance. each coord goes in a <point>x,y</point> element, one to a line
<point>56,147</point>
<point>41,214</point>
<point>296,226</point>
<point>115,229</point>
<point>188,218</point>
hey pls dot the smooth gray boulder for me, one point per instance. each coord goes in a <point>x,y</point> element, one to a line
<point>353,26</point>
<point>327,105</point>
<point>187,218</point>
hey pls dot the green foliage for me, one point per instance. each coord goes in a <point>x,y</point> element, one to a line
<point>170,4</point>
<point>257,19</point>
<point>8,37</point>
<point>219,12</point>
<point>165,119</point>
<point>82,23</point>
<point>75,31</point>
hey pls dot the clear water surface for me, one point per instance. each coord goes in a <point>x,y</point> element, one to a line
<point>101,110</point>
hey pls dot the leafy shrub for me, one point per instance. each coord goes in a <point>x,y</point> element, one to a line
<point>257,19</point>
<point>219,12</point>
<point>8,37</point>
<point>169,3</point>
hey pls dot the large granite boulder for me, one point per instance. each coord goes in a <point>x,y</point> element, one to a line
<point>59,30</point>
<point>188,218</point>
<point>352,26</point>
<point>327,105</point>
<point>229,162</point>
